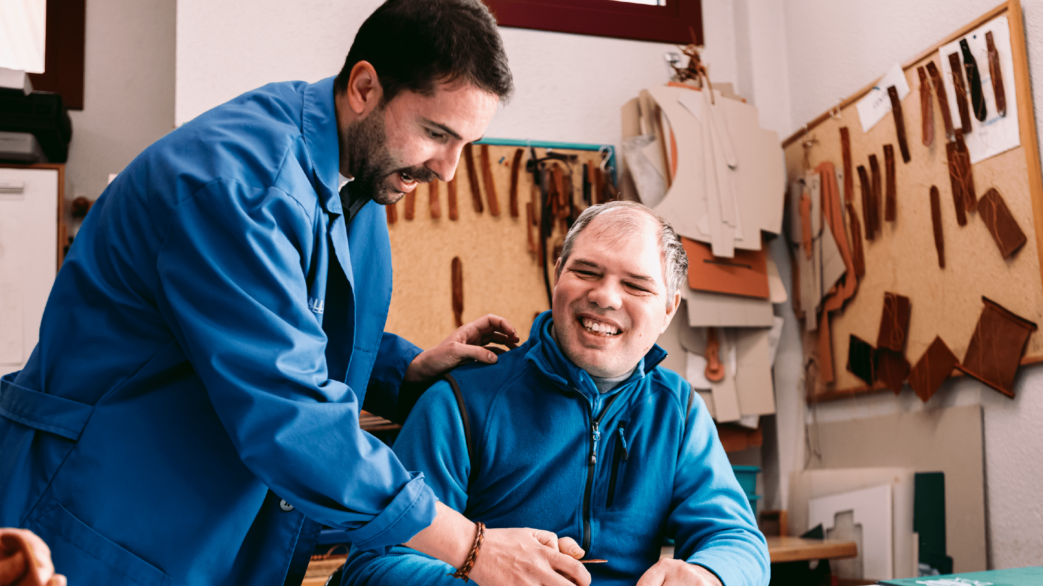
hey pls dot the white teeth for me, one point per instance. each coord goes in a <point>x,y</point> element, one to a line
<point>599,327</point>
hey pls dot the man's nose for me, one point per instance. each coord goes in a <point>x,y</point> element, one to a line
<point>445,161</point>
<point>606,294</point>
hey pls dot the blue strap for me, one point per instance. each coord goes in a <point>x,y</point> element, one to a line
<point>42,411</point>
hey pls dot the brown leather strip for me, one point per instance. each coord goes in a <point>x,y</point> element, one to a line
<point>896,111</point>
<point>890,195</point>
<point>392,213</point>
<point>472,179</point>
<point>943,100</point>
<point>891,369</point>
<point>454,211</point>
<point>849,176</point>
<point>1001,223</point>
<point>528,225</point>
<point>515,169</point>
<point>936,220</point>
<point>926,108</point>
<point>997,75</point>
<point>858,258</point>
<point>867,197</point>
<point>877,190</point>
<point>458,291</point>
<point>956,181</point>
<point>490,183</point>
<point>970,67</point>
<point>805,224</point>
<point>434,205</point>
<point>956,68</point>
<point>411,204</point>
<point>894,322</point>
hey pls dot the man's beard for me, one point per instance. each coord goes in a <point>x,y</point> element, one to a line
<point>370,162</point>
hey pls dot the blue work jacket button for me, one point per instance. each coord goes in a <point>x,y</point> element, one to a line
<point>285,506</point>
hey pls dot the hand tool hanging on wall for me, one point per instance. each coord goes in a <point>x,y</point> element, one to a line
<point>454,211</point>
<point>974,81</point>
<point>490,183</point>
<point>936,221</point>
<point>458,291</point>
<point>515,169</point>
<point>943,100</point>
<point>890,203</point>
<point>411,204</point>
<point>392,213</point>
<point>896,112</point>
<point>926,108</point>
<point>540,177</point>
<point>472,179</point>
<point>849,176</point>
<point>867,199</point>
<point>588,183</point>
<point>996,74</point>
<point>960,87</point>
<point>878,188</point>
<point>434,204</point>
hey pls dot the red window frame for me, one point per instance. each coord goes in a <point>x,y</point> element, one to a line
<point>605,18</point>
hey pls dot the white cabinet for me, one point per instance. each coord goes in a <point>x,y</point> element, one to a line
<point>32,234</point>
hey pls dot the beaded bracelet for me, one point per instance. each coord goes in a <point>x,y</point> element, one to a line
<point>473,556</point>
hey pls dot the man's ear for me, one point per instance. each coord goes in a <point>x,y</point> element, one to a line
<point>671,310</point>
<point>364,91</point>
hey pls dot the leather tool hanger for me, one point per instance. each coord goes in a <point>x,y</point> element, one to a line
<point>867,199</point>
<point>896,112</point>
<point>961,178</point>
<point>454,211</point>
<point>956,70</point>
<point>943,100</point>
<point>1001,223</point>
<point>434,203</point>
<point>515,169</point>
<point>996,74</point>
<point>392,213</point>
<point>849,177</point>
<point>411,204</point>
<point>458,291</point>
<point>890,197</point>
<point>877,190</point>
<point>490,183</point>
<point>472,179</point>
<point>974,81</point>
<point>926,108</point>
<point>936,221</point>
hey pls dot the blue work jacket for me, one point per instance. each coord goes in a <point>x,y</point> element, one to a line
<point>618,472</point>
<point>190,414</point>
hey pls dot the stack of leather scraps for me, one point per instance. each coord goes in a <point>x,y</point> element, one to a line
<point>699,157</point>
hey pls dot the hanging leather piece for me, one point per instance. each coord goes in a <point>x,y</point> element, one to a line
<point>454,211</point>
<point>995,350</point>
<point>805,225</point>
<point>392,213</point>
<point>472,179</point>
<point>961,178</point>
<point>433,203</point>
<point>867,197</point>
<point>996,74</point>
<point>936,364</point>
<point>846,287</point>
<point>892,369</point>
<point>515,169</point>
<point>490,183</point>
<point>1001,223</point>
<point>894,322</point>
<point>926,108</point>
<point>943,100</point>
<point>861,359</point>
<point>936,220</point>
<point>858,258</point>
<point>458,291</point>
<point>956,70</point>
<point>896,111</point>
<point>849,176</point>
<point>878,188</point>
<point>411,205</point>
<point>714,368</point>
<point>890,198</point>
<point>956,181</point>
<point>588,182</point>
<point>528,226</point>
<point>973,81</point>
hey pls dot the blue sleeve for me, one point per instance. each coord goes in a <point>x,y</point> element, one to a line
<point>432,440</point>
<point>711,520</point>
<point>386,395</point>
<point>232,289</point>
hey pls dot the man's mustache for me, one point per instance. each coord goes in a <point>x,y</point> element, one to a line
<point>418,174</point>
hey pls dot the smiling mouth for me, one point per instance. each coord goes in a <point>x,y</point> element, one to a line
<point>599,328</point>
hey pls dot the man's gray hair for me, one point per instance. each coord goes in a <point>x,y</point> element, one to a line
<point>671,252</point>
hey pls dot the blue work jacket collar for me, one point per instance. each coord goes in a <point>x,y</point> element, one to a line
<point>548,358</point>
<point>319,127</point>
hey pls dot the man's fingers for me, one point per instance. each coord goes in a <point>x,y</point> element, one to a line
<point>497,350</point>
<point>546,538</point>
<point>463,352</point>
<point>654,576</point>
<point>571,569</point>
<point>490,323</point>
<point>12,568</point>
<point>569,547</point>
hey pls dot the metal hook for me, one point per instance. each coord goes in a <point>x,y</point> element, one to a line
<point>835,112</point>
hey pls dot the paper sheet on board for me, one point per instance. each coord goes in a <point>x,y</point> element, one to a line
<point>876,104</point>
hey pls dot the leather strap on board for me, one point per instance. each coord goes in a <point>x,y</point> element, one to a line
<point>974,81</point>
<point>936,220</point>
<point>961,173</point>
<point>956,182</point>
<point>1001,223</point>
<point>996,74</point>
<point>411,204</point>
<point>458,291</point>
<point>454,210</point>
<point>434,204</point>
<point>849,177</point>
<point>943,100</point>
<point>926,108</point>
<point>890,196</point>
<point>490,183</point>
<point>867,197</point>
<point>515,169</point>
<point>896,111</point>
<point>472,179</point>
<point>392,212</point>
<point>877,189</point>
<point>858,258</point>
<point>956,69</point>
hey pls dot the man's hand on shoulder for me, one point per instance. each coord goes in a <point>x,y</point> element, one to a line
<point>468,343</point>
<point>670,572</point>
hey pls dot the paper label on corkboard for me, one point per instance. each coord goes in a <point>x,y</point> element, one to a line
<point>876,104</point>
<point>996,134</point>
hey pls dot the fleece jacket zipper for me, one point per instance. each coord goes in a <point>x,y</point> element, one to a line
<point>595,437</point>
<point>621,455</point>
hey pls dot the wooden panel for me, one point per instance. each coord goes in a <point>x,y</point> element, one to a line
<point>796,549</point>
<point>672,23</point>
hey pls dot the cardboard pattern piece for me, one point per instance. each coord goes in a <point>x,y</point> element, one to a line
<point>994,353</point>
<point>713,310</point>
<point>1001,223</point>
<point>936,364</point>
<point>745,274</point>
<point>872,508</point>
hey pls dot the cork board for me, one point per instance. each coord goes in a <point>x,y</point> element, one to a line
<point>500,275</point>
<point>902,259</point>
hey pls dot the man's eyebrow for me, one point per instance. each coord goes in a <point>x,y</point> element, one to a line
<point>587,263</point>
<point>638,277</point>
<point>443,128</point>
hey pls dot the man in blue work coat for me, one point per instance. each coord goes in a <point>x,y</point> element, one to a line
<point>190,414</point>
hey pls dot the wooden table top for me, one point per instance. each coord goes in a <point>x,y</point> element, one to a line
<point>795,549</point>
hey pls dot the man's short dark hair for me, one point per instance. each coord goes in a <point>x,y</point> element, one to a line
<point>416,44</point>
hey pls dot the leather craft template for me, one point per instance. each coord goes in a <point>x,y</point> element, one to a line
<point>894,322</point>
<point>896,111</point>
<point>867,198</point>
<point>877,191</point>
<point>943,100</point>
<point>515,169</point>
<point>892,369</point>
<point>746,274</point>
<point>959,177</point>
<point>392,213</point>
<point>410,198</point>
<point>434,204</point>
<point>458,291</point>
<point>849,176</point>
<point>1001,223</point>
<point>970,64</point>
<point>890,203</point>
<point>956,69</point>
<point>454,210</point>
<point>926,108</point>
<point>936,220</point>
<point>472,179</point>
<point>995,350</point>
<point>996,74</point>
<point>858,258</point>
<point>490,184</point>
<point>936,364</point>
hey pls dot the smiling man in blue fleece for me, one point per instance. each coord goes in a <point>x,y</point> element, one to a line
<point>579,432</point>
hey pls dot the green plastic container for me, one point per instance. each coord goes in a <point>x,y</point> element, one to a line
<point>747,477</point>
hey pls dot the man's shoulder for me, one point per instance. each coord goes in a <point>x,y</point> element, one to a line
<point>673,385</point>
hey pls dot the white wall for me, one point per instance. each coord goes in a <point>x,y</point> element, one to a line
<point>835,48</point>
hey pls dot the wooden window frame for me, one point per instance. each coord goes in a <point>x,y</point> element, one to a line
<point>671,23</point>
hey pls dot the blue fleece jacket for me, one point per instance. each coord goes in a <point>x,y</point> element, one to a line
<point>617,472</point>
